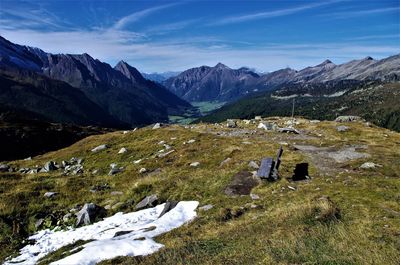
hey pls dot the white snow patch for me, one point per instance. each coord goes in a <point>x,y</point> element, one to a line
<point>337,94</point>
<point>105,245</point>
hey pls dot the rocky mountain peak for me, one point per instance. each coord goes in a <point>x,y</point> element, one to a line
<point>221,66</point>
<point>129,71</point>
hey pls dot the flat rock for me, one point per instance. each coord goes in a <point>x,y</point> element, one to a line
<point>206,207</point>
<point>241,184</point>
<point>288,130</point>
<point>100,148</point>
<point>149,201</point>
<point>342,128</point>
<point>50,194</point>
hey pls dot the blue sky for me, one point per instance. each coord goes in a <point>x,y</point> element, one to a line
<point>177,35</point>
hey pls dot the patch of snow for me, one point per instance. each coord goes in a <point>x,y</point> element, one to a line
<point>336,94</point>
<point>137,241</point>
<point>284,97</point>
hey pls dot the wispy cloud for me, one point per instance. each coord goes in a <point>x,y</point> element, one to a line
<point>375,37</point>
<point>165,28</point>
<point>112,46</point>
<point>356,13</point>
<point>270,14</point>
<point>124,21</point>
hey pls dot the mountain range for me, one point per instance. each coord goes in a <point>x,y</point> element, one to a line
<point>81,89</point>
<point>221,83</point>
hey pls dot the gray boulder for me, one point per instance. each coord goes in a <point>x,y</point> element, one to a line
<point>50,194</point>
<point>89,213</point>
<point>100,148</point>
<point>149,201</point>
<point>169,205</point>
<point>50,166</point>
<point>231,123</point>
<point>4,168</point>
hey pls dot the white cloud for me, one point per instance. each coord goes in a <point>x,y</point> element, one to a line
<point>355,13</point>
<point>123,22</point>
<point>269,14</point>
<point>112,46</point>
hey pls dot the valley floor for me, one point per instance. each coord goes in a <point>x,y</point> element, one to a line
<point>345,214</point>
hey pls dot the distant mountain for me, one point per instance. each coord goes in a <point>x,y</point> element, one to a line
<point>376,101</point>
<point>160,77</point>
<point>220,83</point>
<point>54,100</point>
<point>212,83</point>
<point>121,92</point>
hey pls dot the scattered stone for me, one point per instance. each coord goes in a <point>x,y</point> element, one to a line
<point>195,164</point>
<point>292,188</point>
<point>161,142</point>
<point>369,165</point>
<point>33,171</point>
<point>24,170</point>
<point>225,161</point>
<point>142,170</point>
<point>123,150</point>
<point>100,148</point>
<point>50,194</point>
<point>253,164</point>
<point>116,193</point>
<point>49,166</point>
<point>149,201</point>
<point>241,184</point>
<point>191,141</point>
<point>254,196</point>
<point>89,213</point>
<point>206,207</point>
<point>114,169</point>
<point>348,118</point>
<point>137,161</point>
<point>300,172</point>
<point>101,187</point>
<point>267,126</point>
<point>342,128</point>
<point>288,130</point>
<point>231,123</point>
<point>165,154</point>
<point>157,126</point>
<point>169,205</point>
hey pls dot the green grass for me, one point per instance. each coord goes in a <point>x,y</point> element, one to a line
<point>206,107</point>
<point>284,227</point>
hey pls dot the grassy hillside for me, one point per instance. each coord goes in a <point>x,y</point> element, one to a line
<point>382,101</point>
<point>358,224</point>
